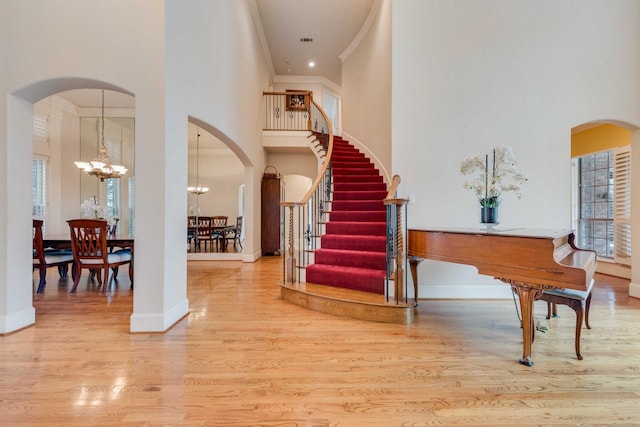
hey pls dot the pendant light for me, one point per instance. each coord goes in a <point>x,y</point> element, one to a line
<point>197,189</point>
<point>101,167</point>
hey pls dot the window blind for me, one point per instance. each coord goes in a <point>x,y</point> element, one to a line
<point>622,205</point>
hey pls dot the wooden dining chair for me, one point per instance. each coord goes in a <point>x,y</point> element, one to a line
<point>89,247</point>
<point>43,259</point>
<point>219,230</point>
<point>191,233</point>
<point>204,233</point>
<point>235,234</point>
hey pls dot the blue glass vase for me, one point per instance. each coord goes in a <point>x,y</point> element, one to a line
<point>489,217</point>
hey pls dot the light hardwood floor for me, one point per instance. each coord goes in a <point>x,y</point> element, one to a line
<point>244,357</point>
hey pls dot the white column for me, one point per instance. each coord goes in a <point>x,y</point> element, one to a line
<point>160,259</point>
<point>16,291</point>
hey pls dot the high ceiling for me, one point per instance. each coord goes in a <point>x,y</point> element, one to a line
<point>331,25</point>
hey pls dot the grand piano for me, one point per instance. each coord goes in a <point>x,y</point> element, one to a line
<point>529,260</point>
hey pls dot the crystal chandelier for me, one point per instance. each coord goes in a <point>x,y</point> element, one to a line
<point>197,189</point>
<point>101,167</point>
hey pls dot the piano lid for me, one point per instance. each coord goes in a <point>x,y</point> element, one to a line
<point>542,233</point>
<point>535,256</point>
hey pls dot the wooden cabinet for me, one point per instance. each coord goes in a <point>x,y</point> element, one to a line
<point>270,209</point>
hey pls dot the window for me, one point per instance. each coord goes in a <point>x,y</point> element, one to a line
<point>622,206</point>
<point>40,127</point>
<point>113,197</point>
<point>40,135</point>
<point>604,220</point>
<point>39,189</point>
<point>132,211</point>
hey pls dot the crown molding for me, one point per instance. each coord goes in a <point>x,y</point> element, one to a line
<point>375,9</point>
<point>253,7</point>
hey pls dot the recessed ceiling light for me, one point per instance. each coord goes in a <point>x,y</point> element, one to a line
<point>312,64</point>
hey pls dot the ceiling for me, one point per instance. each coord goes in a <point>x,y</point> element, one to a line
<point>331,24</point>
<point>332,28</point>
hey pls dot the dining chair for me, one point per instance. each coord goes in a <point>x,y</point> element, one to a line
<point>204,233</point>
<point>43,259</point>
<point>191,233</point>
<point>235,234</point>
<point>89,247</point>
<point>219,230</point>
<point>219,221</point>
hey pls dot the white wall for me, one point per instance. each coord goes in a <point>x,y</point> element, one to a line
<point>223,173</point>
<point>198,59</point>
<point>216,74</point>
<point>68,48</point>
<point>303,164</point>
<point>470,76</point>
<point>366,89</point>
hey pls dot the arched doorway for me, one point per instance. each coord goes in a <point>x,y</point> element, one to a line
<point>226,170</point>
<point>16,297</point>
<point>603,196</point>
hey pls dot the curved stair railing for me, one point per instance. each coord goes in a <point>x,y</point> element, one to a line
<point>304,220</point>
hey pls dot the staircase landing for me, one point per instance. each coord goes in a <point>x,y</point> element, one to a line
<point>348,303</point>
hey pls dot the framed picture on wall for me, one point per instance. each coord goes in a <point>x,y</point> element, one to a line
<point>297,101</point>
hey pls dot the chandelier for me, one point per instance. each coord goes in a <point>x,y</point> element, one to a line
<point>101,167</point>
<point>197,190</point>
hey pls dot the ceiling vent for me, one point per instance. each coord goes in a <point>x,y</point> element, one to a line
<point>306,39</point>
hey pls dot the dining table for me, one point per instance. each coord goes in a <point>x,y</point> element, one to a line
<point>222,231</point>
<point>63,241</point>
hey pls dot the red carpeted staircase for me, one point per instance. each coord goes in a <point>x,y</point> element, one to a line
<point>352,252</point>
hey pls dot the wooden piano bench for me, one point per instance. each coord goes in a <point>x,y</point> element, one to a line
<point>579,301</point>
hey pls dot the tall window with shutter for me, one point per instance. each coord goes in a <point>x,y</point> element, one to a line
<point>604,221</point>
<point>39,167</point>
<point>622,205</point>
<point>39,188</point>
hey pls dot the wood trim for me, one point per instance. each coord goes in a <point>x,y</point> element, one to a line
<point>348,303</point>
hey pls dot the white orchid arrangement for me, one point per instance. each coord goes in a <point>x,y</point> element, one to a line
<point>91,209</point>
<point>490,183</point>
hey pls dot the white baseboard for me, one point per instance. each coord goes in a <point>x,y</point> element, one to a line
<point>159,322</point>
<point>15,321</point>
<point>214,256</point>
<point>634,290</point>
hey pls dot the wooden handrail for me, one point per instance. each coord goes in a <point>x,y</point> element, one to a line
<point>327,159</point>
<point>326,163</point>
<point>309,212</point>
<point>292,92</point>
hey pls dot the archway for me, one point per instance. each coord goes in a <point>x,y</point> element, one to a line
<point>14,296</point>
<point>602,169</point>
<point>73,132</point>
<point>227,171</point>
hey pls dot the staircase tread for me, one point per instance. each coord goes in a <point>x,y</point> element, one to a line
<point>335,268</point>
<point>360,190</point>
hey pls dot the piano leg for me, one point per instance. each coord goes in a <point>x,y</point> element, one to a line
<point>413,265</point>
<point>527,294</point>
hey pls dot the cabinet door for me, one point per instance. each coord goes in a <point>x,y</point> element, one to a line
<point>270,227</point>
